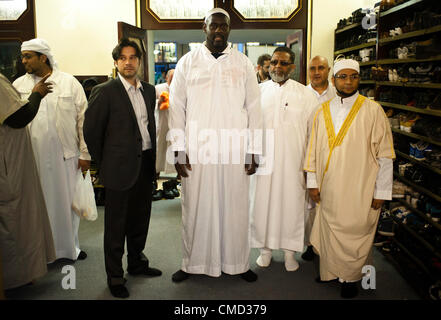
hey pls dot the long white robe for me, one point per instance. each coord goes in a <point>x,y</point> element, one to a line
<point>26,244</point>
<point>279,205</point>
<point>214,94</point>
<point>58,112</point>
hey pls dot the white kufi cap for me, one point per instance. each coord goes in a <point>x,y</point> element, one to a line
<point>214,11</point>
<point>346,64</point>
<point>41,46</point>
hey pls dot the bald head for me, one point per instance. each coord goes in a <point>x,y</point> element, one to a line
<point>319,71</point>
<point>169,76</point>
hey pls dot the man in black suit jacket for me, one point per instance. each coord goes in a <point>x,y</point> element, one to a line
<point>119,129</point>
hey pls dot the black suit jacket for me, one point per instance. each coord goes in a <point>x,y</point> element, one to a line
<point>112,133</point>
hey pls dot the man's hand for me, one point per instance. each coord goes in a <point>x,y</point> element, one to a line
<point>376,204</point>
<point>84,164</point>
<point>182,165</point>
<point>43,88</point>
<point>251,168</point>
<point>314,194</point>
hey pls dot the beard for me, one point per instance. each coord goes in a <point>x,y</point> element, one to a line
<point>344,94</point>
<point>279,77</point>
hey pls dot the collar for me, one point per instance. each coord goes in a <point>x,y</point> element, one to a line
<point>276,84</point>
<point>316,92</point>
<point>54,77</point>
<point>127,85</point>
<point>349,100</point>
<point>225,52</point>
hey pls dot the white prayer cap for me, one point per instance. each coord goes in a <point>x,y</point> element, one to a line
<point>214,11</point>
<point>41,46</point>
<point>346,64</point>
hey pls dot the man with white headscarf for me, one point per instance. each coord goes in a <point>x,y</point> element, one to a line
<point>58,142</point>
<point>214,93</point>
<point>349,165</point>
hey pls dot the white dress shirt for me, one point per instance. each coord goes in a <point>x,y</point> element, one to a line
<point>138,103</point>
<point>326,95</point>
<point>383,186</point>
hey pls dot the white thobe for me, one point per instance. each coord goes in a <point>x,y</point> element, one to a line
<point>57,140</point>
<point>326,95</point>
<point>279,207</point>
<point>209,98</point>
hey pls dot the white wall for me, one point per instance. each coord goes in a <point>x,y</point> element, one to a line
<point>325,16</point>
<point>82,33</point>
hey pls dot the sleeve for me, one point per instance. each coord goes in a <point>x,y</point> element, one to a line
<point>177,109</point>
<point>10,99</point>
<point>384,182</point>
<point>23,116</point>
<point>95,122</point>
<point>311,180</point>
<point>254,111</point>
<point>309,161</point>
<point>80,102</point>
<point>382,136</point>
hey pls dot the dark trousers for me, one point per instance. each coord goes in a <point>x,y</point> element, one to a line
<point>127,214</point>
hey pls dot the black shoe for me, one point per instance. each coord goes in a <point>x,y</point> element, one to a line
<point>119,291</point>
<point>150,272</point>
<point>180,276</point>
<point>157,195</point>
<point>174,187</point>
<point>318,280</point>
<point>82,255</point>
<point>249,276</point>
<point>349,290</point>
<point>167,187</point>
<point>309,254</point>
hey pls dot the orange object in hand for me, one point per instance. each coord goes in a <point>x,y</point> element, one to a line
<point>165,101</point>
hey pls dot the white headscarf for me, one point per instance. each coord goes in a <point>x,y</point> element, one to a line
<point>41,46</point>
<point>346,64</point>
<point>214,11</point>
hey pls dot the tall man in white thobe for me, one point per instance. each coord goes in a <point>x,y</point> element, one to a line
<point>57,141</point>
<point>214,94</point>
<point>279,206</point>
<point>324,90</point>
<point>349,164</point>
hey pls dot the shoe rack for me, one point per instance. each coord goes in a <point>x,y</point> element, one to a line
<point>405,75</point>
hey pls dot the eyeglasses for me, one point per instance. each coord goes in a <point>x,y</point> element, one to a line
<point>27,56</point>
<point>283,63</point>
<point>345,76</point>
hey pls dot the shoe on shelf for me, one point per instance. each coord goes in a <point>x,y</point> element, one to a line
<point>386,227</point>
<point>380,240</point>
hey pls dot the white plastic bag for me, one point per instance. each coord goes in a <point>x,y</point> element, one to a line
<point>83,202</point>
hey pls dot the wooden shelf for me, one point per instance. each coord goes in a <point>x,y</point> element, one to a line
<point>398,61</point>
<point>411,34</point>
<point>367,82</point>
<point>417,187</point>
<point>412,109</point>
<point>400,7</point>
<point>416,136</point>
<point>368,63</point>
<point>420,163</point>
<point>361,46</point>
<point>421,214</point>
<point>410,84</point>
<point>412,257</point>
<point>349,27</point>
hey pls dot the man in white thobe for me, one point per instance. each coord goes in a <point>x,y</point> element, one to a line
<point>279,206</point>
<point>58,143</point>
<point>324,91</point>
<point>349,164</point>
<point>214,95</point>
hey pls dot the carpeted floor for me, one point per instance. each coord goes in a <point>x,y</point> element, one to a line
<point>163,249</point>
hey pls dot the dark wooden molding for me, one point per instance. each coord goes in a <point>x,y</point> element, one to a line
<point>297,20</point>
<point>22,29</point>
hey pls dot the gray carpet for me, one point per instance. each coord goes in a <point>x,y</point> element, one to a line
<point>164,252</point>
